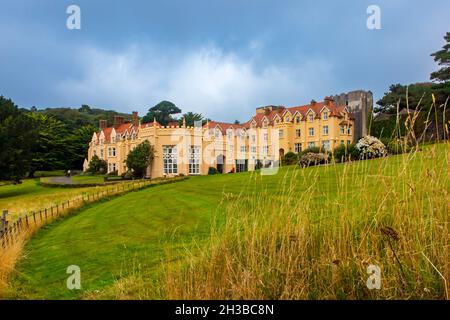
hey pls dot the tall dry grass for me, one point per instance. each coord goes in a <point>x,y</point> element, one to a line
<point>288,245</point>
<point>316,235</point>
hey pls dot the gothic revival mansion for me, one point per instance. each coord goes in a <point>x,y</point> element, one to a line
<point>260,142</point>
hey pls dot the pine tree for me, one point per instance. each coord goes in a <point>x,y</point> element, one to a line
<point>442,57</point>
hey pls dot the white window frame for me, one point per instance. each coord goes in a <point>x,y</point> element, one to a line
<point>194,160</point>
<point>170,160</point>
<point>298,147</point>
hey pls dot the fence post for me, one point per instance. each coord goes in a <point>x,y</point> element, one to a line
<point>26,220</point>
<point>3,223</point>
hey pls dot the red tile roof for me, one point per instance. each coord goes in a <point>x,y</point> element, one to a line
<point>335,111</point>
<point>270,115</point>
<point>123,127</point>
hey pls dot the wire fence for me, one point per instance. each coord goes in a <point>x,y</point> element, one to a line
<point>10,231</point>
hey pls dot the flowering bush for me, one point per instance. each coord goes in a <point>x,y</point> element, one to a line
<point>370,147</point>
<point>312,159</point>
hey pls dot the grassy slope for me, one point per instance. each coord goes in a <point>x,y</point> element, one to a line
<point>29,196</point>
<point>129,236</point>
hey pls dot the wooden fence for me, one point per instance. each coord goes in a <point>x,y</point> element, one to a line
<point>10,231</point>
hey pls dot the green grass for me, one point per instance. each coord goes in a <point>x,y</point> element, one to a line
<point>125,245</point>
<point>29,195</point>
<point>85,179</point>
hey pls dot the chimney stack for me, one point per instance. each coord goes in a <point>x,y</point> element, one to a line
<point>102,124</point>
<point>313,102</point>
<point>328,101</point>
<point>135,119</point>
<point>118,120</point>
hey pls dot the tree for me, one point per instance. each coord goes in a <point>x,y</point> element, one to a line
<point>50,149</point>
<point>442,57</point>
<point>140,158</point>
<point>97,165</point>
<point>17,135</point>
<point>399,93</point>
<point>77,144</point>
<point>162,112</point>
<point>191,118</point>
<point>84,108</point>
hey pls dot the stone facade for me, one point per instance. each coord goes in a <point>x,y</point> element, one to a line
<point>360,104</point>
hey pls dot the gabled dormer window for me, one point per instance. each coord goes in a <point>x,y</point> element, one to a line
<point>325,115</point>
<point>297,119</point>
<point>311,117</point>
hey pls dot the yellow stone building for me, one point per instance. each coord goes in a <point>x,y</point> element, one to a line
<point>260,142</point>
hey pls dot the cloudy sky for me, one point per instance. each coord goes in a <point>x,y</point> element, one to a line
<point>222,58</point>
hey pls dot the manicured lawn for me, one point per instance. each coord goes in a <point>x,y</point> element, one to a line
<point>88,179</point>
<point>139,234</point>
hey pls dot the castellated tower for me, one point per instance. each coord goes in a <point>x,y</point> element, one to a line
<point>360,104</point>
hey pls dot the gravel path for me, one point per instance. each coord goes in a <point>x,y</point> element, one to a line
<point>62,180</point>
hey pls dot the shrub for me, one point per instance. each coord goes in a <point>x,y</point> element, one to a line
<point>113,174</point>
<point>311,159</point>
<point>212,170</point>
<point>310,150</point>
<point>97,165</point>
<point>370,147</point>
<point>290,158</point>
<point>128,175</point>
<point>345,152</point>
<point>258,165</point>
